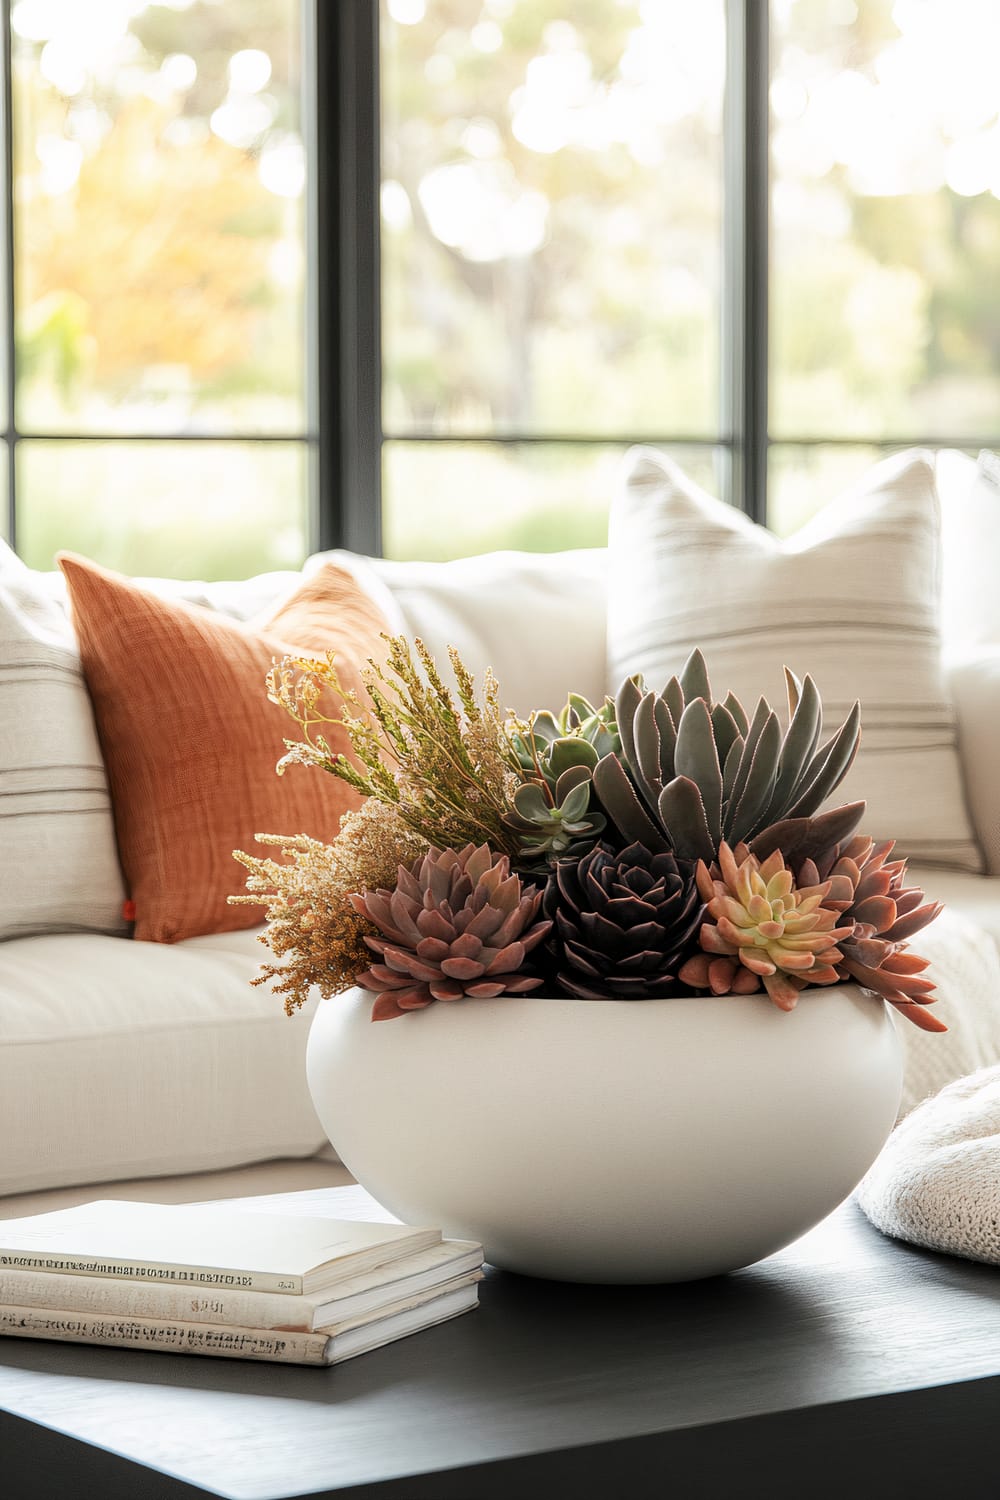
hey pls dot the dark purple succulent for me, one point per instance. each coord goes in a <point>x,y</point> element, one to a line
<point>623,922</point>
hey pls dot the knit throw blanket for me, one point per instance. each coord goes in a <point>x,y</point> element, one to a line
<point>937,1182</point>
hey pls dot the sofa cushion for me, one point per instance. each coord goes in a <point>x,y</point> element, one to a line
<point>852,599</point>
<point>59,871</point>
<point>965,966</point>
<point>190,740</point>
<point>974,897</point>
<point>538,619</point>
<point>974,682</point>
<point>121,1059</point>
<point>970,531</point>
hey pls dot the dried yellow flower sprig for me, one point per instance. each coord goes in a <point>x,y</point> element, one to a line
<point>447,770</point>
<point>311,925</point>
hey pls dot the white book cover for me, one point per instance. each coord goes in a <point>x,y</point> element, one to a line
<point>204,1245</point>
<point>346,1202</point>
<point>354,1296</point>
<point>325,1346</point>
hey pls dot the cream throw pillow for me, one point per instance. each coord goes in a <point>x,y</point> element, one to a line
<point>852,599</point>
<point>59,871</point>
<point>970,534</point>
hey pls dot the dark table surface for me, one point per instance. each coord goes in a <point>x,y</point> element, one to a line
<point>847,1359</point>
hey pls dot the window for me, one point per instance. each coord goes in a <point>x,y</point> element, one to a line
<point>411,275</point>
<point>764,237</point>
<point>156,386</point>
<point>885,241</point>
<point>551,200</point>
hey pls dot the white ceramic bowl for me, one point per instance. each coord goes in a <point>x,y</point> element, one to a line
<point>611,1141</point>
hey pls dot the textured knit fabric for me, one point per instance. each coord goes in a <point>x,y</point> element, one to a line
<point>59,871</point>
<point>851,599</point>
<point>937,1182</point>
<point>190,740</point>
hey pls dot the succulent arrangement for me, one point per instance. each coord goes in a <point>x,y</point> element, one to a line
<point>657,845</point>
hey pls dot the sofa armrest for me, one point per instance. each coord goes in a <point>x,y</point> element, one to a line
<point>974,678</point>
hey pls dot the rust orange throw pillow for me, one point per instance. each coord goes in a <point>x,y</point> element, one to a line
<point>190,740</point>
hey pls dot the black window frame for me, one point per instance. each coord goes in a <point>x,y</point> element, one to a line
<point>348,365</point>
<point>315,121</point>
<point>348,296</point>
<point>344,433</point>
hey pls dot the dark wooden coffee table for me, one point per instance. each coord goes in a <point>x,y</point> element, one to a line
<point>846,1364</point>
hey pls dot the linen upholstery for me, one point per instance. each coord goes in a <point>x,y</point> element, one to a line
<point>965,967</point>
<point>974,680</point>
<point>122,1059</point>
<point>59,871</point>
<point>970,526</point>
<point>190,740</point>
<point>852,598</point>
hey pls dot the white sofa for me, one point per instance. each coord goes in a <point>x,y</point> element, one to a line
<point>122,1060</point>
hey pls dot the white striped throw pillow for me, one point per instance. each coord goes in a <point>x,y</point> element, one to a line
<point>59,871</point>
<point>852,599</point>
<point>970,530</point>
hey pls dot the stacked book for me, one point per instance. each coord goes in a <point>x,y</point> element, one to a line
<point>206,1279</point>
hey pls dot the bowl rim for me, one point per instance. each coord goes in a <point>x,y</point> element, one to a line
<point>703,997</point>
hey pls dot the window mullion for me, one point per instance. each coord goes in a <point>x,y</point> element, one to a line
<point>7,258</point>
<point>744,352</point>
<point>347,295</point>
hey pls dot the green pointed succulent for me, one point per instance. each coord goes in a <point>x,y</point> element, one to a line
<point>692,773</point>
<point>547,745</point>
<point>550,824</point>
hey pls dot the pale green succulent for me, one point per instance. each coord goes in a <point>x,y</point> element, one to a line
<point>550,824</point>
<point>547,745</point>
<point>597,726</point>
<point>692,773</point>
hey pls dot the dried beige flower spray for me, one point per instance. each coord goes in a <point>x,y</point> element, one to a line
<point>446,768</point>
<point>311,925</point>
<point>434,773</point>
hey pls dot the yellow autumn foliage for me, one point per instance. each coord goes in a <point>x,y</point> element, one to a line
<point>162,246</point>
